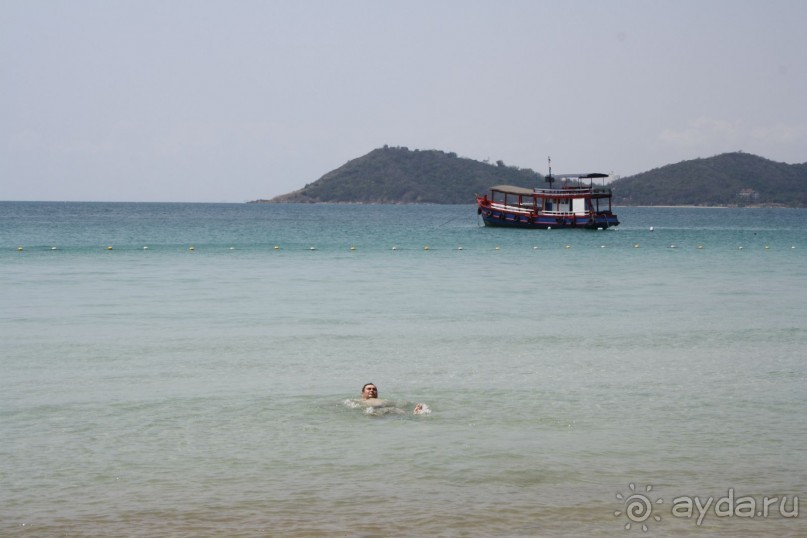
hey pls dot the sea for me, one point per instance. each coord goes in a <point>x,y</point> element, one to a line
<point>184,370</point>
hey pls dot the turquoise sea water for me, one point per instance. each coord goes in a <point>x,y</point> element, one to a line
<point>176,392</point>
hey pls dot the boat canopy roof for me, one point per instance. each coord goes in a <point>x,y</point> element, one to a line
<point>591,175</point>
<point>510,189</point>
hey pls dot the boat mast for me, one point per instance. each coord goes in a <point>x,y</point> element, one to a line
<point>549,178</point>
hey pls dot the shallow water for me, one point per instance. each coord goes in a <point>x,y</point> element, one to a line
<point>201,392</point>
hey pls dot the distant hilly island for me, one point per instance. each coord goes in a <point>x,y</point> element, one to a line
<point>398,175</point>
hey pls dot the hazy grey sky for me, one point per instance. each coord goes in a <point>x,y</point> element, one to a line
<point>228,101</point>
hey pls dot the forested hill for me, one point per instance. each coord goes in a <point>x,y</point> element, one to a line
<point>397,175</point>
<point>724,180</point>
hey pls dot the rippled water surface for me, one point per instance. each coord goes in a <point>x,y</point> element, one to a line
<point>182,370</point>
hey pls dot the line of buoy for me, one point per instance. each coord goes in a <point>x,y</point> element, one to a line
<point>699,246</point>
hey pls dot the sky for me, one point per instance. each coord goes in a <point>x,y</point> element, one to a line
<point>235,100</point>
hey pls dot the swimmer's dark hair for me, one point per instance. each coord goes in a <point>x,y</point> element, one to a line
<point>365,386</point>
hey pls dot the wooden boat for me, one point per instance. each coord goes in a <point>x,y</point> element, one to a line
<point>573,205</point>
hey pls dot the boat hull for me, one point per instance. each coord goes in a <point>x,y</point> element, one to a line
<point>507,219</point>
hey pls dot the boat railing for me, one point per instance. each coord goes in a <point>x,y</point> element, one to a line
<point>530,208</point>
<point>561,192</point>
<point>567,213</point>
<point>599,192</point>
<point>524,208</point>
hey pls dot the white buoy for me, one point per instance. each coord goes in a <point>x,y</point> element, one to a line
<point>145,248</point>
<point>20,249</point>
<point>535,248</point>
<point>277,247</point>
<point>651,229</point>
<point>352,248</point>
<point>459,248</point>
<point>191,247</point>
<point>312,248</point>
<point>394,248</point>
<point>54,248</point>
<point>426,247</point>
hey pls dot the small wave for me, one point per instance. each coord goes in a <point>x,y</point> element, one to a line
<point>390,409</point>
<point>352,404</point>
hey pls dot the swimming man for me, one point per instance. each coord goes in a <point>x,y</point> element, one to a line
<point>370,399</point>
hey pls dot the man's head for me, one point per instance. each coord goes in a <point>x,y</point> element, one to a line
<point>368,391</point>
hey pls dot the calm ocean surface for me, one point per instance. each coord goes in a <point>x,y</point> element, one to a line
<point>165,391</point>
